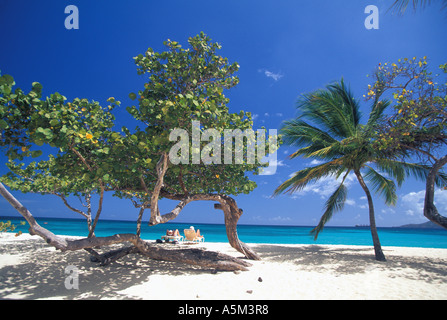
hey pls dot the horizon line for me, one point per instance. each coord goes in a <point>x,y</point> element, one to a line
<point>208,223</point>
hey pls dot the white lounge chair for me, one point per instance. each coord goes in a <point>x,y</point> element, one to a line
<point>172,236</point>
<point>192,236</point>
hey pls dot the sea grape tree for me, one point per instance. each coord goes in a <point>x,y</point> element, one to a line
<point>88,156</point>
<point>79,132</point>
<point>418,123</point>
<point>186,87</point>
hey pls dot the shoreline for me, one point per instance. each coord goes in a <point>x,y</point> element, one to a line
<point>30,269</point>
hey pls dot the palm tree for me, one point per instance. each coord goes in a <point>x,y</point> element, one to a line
<point>328,129</point>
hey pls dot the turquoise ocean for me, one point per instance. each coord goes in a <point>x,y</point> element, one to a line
<point>402,237</point>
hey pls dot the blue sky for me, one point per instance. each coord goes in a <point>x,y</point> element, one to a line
<point>284,48</point>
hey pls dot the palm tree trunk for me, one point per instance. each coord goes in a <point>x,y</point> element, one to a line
<point>372,221</point>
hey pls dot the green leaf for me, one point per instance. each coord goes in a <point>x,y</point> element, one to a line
<point>132,96</point>
<point>6,89</point>
<point>3,124</point>
<point>8,79</point>
<point>37,86</point>
<point>39,143</point>
<point>54,122</point>
<point>36,153</point>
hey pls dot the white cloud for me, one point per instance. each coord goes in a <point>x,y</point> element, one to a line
<point>413,202</point>
<point>388,210</point>
<point>273,164</point>
<point>280,219</point>
<point>278,114</point>
<point>314,162</point>
<point>281,163</point>
<point>269,74</point>
<point>326,186</point>
<point>364,203</point>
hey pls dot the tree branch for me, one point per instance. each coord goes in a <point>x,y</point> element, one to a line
<point>69,206</point>
<point>161,168</point>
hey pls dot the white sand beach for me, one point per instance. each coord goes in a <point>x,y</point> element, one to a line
<point>29,269</point>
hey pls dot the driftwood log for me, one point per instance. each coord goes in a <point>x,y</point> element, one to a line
<point>203,258</point>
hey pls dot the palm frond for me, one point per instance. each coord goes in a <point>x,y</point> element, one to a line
<point>400,170</point>
<point>333,109</point>
<point>350,104</point>
<point>297,132</point>
<point>382,186</point>
<point>303,177</point>
<point>377,111</point>
<point>400,6</point>
<point>334,204</point>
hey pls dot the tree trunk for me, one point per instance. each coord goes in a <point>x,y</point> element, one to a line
<point>231,212</point>
<point>430,210</point>
<point>161,168</point>
<point>372,221</point>
<point>98,212</point>
<point>198,257</point>
<point>35,228</point>
<point>203,258</point>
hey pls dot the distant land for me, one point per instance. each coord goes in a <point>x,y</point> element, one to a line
<point>425,225</point>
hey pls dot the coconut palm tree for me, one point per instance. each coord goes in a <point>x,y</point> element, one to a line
<point>328,129</point>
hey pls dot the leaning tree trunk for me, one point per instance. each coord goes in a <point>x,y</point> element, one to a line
<point>430,210</point>
<point>372,221</point>
<point>232,214</point>
<point>231,211</point>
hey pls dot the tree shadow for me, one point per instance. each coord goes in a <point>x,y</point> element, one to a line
<point>350,260</point>
<point>35,278</point>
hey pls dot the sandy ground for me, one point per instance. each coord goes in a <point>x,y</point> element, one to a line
<point>29,269</point>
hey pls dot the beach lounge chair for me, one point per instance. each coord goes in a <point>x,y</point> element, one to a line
<point>201,238</point>
<point>172,235</point>
<point>192,236</point>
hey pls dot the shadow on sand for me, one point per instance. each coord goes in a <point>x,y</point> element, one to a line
<point>349,260</point>
<point>35,278</point>
<point>40,272</point>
